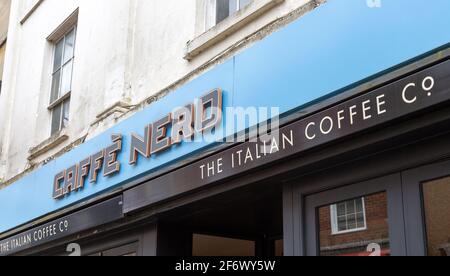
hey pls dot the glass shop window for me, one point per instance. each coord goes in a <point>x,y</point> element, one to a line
<point>357,227</point>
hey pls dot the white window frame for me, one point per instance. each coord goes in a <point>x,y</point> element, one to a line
<point>334,220</point>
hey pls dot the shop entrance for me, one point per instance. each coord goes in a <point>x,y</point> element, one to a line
<point>363,219</point>
<point>244,222</point>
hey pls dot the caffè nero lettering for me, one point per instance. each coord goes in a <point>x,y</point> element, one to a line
<point>410,94</point>
<point>185,123</point>
<point>74,178</point>
<point>202,115</point>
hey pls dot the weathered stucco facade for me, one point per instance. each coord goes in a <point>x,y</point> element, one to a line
<point>128,54</point>
<point>5,6</point>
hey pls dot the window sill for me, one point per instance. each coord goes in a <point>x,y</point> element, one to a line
<point>48,145</point>
<point>227,27</point>
<point>349,231</point>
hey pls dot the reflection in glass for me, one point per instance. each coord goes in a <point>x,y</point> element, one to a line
<point>436,196</point>
<point>65,114</point>
<point>55,86</point>
<point>69,46</point>
<point>355,227</point>
<point>222,10</point>
<point>66,81</point>
<point>348,216</point>
<point>62,81</point>
<point>56,119</point>
<point>58,55</point>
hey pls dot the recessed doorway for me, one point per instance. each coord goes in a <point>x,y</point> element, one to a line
<point>244,222</point>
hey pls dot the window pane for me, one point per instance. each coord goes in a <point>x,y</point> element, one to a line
<point>356,243</point>
<point>55,86</point>
<point>351,222</point>
<point>359,205</point>
<point>69,46</point>
<point>222,10</point>
<point>244,3</point>
<point>342,223</point>
<point>437,216</point>
<point>66,111</point>
<point>351,207</point>
<point>341,209</point>
<point>56,119</point>
<point>66,81</point>
<point>360,223</point>
<point>58,55</point>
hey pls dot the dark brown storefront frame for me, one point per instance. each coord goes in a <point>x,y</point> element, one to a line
<point>414,205</point>
<point>425,148</point>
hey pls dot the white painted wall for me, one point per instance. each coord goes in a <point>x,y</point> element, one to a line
<point>126,50</point>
